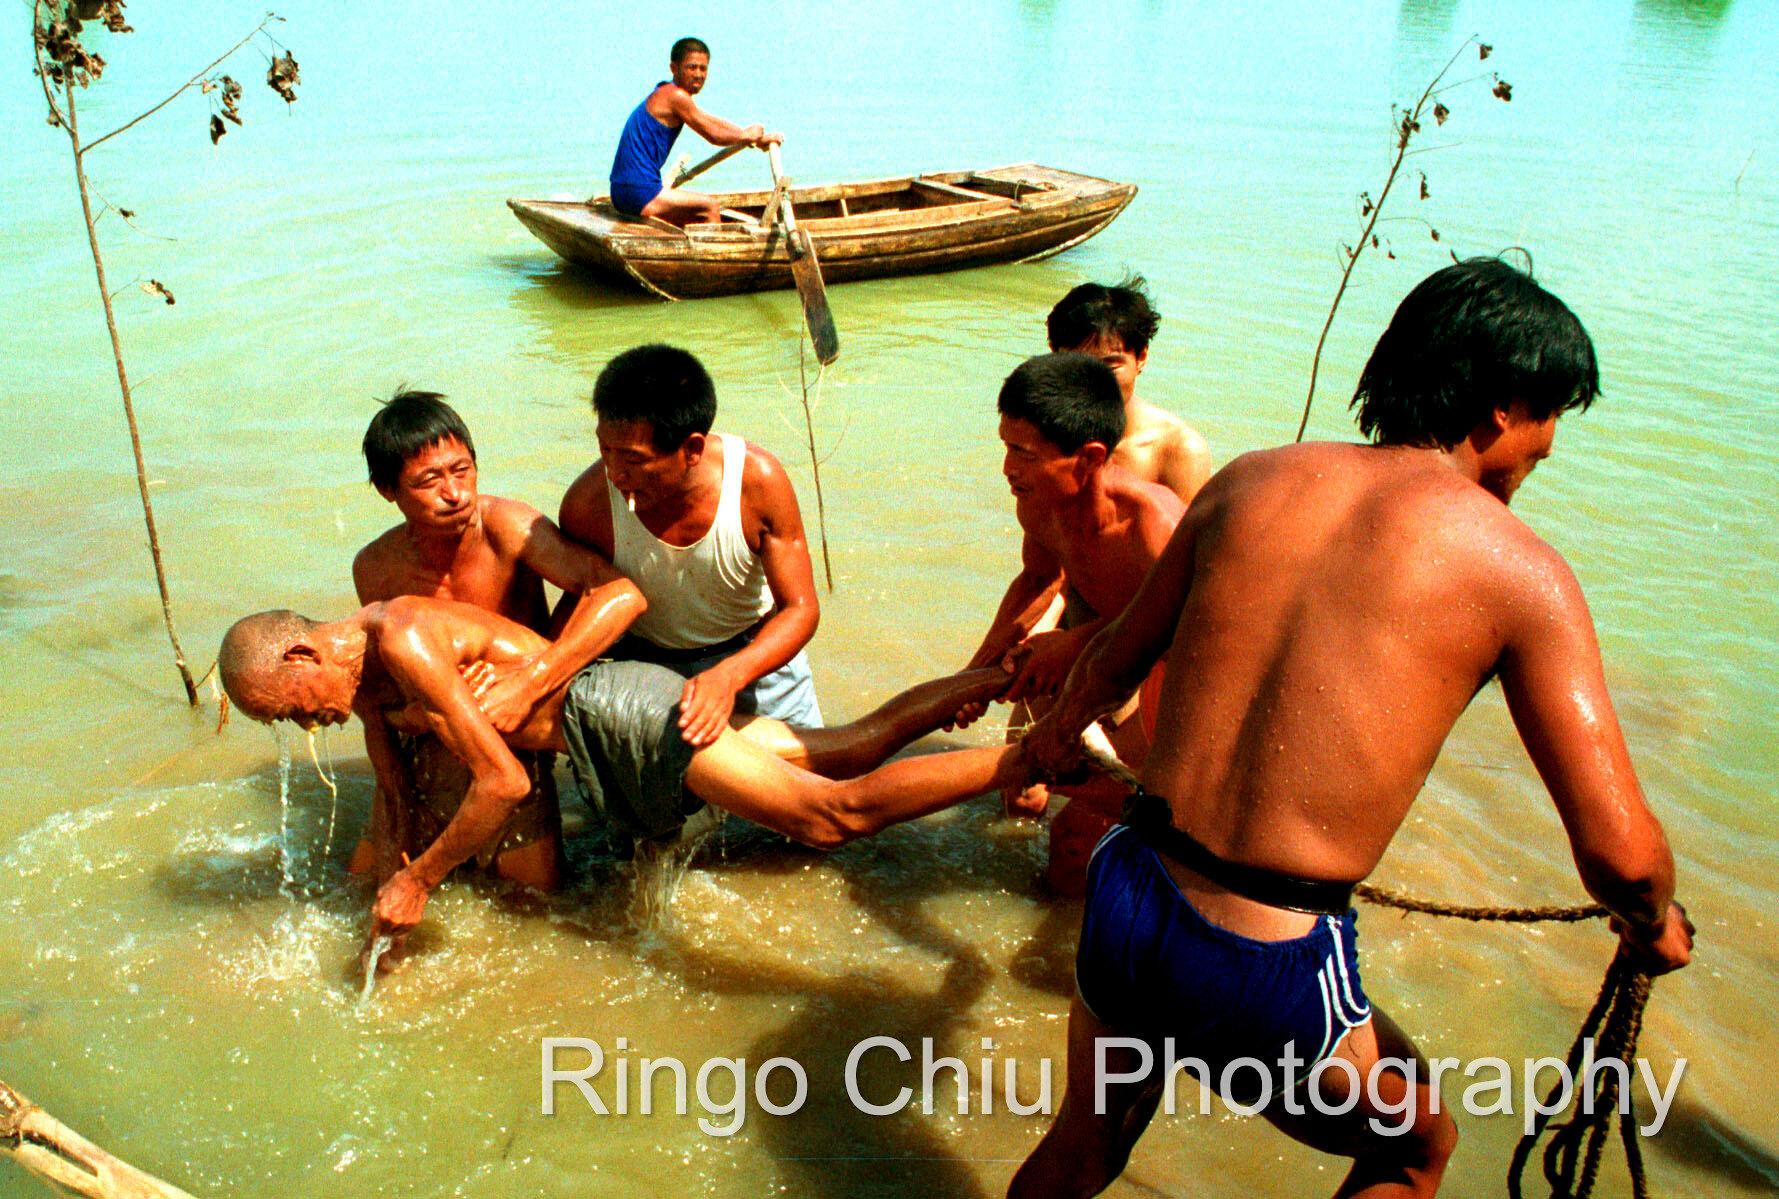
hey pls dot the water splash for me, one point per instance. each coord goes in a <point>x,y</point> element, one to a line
<point>659,866</point>
<point>379,947</point>
<point>327,776</point>
<point>288,879</point>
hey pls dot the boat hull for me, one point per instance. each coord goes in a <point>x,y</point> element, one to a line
<point>910,225</point>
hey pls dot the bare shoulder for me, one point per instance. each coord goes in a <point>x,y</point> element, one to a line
<point>764,483</point>
<point>1159,503</point>
<point>372,565</point>
<point>761,464</point>
<point>1148,420</point>
<point>507,522</point>
<point>1246,471</point>
<point>1528,575</point>
<point>584,501</point>
<point>668,96</point>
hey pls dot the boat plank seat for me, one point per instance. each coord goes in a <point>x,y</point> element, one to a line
<point>950,191</point>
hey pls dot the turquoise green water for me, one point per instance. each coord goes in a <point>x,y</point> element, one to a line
<point>163,988</point>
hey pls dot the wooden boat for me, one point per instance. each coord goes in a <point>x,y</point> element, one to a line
<point>904,226</point>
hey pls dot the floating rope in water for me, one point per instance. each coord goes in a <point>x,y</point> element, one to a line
<point>1406,903</point>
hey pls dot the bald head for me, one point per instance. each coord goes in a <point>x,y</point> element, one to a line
<point>252,660</point>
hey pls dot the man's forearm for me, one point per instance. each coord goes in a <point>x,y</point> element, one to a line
<point>1640,898</point>
<point>1101,680</point>
<point>780,637</point>
<point>484,809</point>
<point>598,618</point>
<point>1028,597</point>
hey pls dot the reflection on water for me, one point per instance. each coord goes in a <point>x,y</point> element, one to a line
<point>551,287</point>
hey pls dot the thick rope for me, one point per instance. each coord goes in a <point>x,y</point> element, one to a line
<point>1572,1158</point>
<point>1406,903</point>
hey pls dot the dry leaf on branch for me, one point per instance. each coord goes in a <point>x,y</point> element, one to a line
<point>155,287</point>
<point>112,13</point>
<point>1503,90</point>
<point>231,99</point>
<point>68,58</point>
<point>281,76</point>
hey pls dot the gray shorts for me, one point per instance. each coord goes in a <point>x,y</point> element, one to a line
<point>786,694</point>
<point>621,723</point>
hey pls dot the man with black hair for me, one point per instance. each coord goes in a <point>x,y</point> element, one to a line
<point>1115,324</point>
<point>651,130</point>
<point>1084,518</point>
<point>1332,609</point>
<point>707,525</point>
<point>455,543</point>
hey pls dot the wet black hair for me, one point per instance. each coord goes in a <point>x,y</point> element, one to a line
<point>662,385</point>
<point>410,422</point>
<point>685,46</point>
<point>1070,398</point>
<point>1467,340</point>
<point>1095,310</point>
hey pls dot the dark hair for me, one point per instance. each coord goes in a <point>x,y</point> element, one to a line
<point>252,655</point>
<point>1070,398</point>
<point>685,46</point>
<point>1094,310</point>
<point>1468,339</point>
<point>661,385</point>
<point>410,422</point>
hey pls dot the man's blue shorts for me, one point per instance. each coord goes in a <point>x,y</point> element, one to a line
<point>633,197</point>
<point>1151,967</point>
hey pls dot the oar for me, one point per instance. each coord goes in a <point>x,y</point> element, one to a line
<point>723,155</point>
<point>807,272</point>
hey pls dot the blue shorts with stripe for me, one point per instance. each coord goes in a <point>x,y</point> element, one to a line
<point>1151,967</point>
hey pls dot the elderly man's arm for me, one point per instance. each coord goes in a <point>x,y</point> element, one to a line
<point>422,661</point>
<point>386,841</point>
<point>768,500</point>
<point>1556,690</point>
<point>606,606</point>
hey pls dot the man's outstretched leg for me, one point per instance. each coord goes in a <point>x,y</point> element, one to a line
<point>1084,1150</point>
<point>747,772</point>
<point>843,751</point>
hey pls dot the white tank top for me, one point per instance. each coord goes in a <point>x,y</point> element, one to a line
<point>702,593</point>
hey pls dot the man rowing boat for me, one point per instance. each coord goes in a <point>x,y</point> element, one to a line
<point>652,129</point>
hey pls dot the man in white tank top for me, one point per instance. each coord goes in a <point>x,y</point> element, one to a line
<point>708,528</point>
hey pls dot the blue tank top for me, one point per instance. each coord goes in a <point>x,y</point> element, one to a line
<point>642,148</point>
